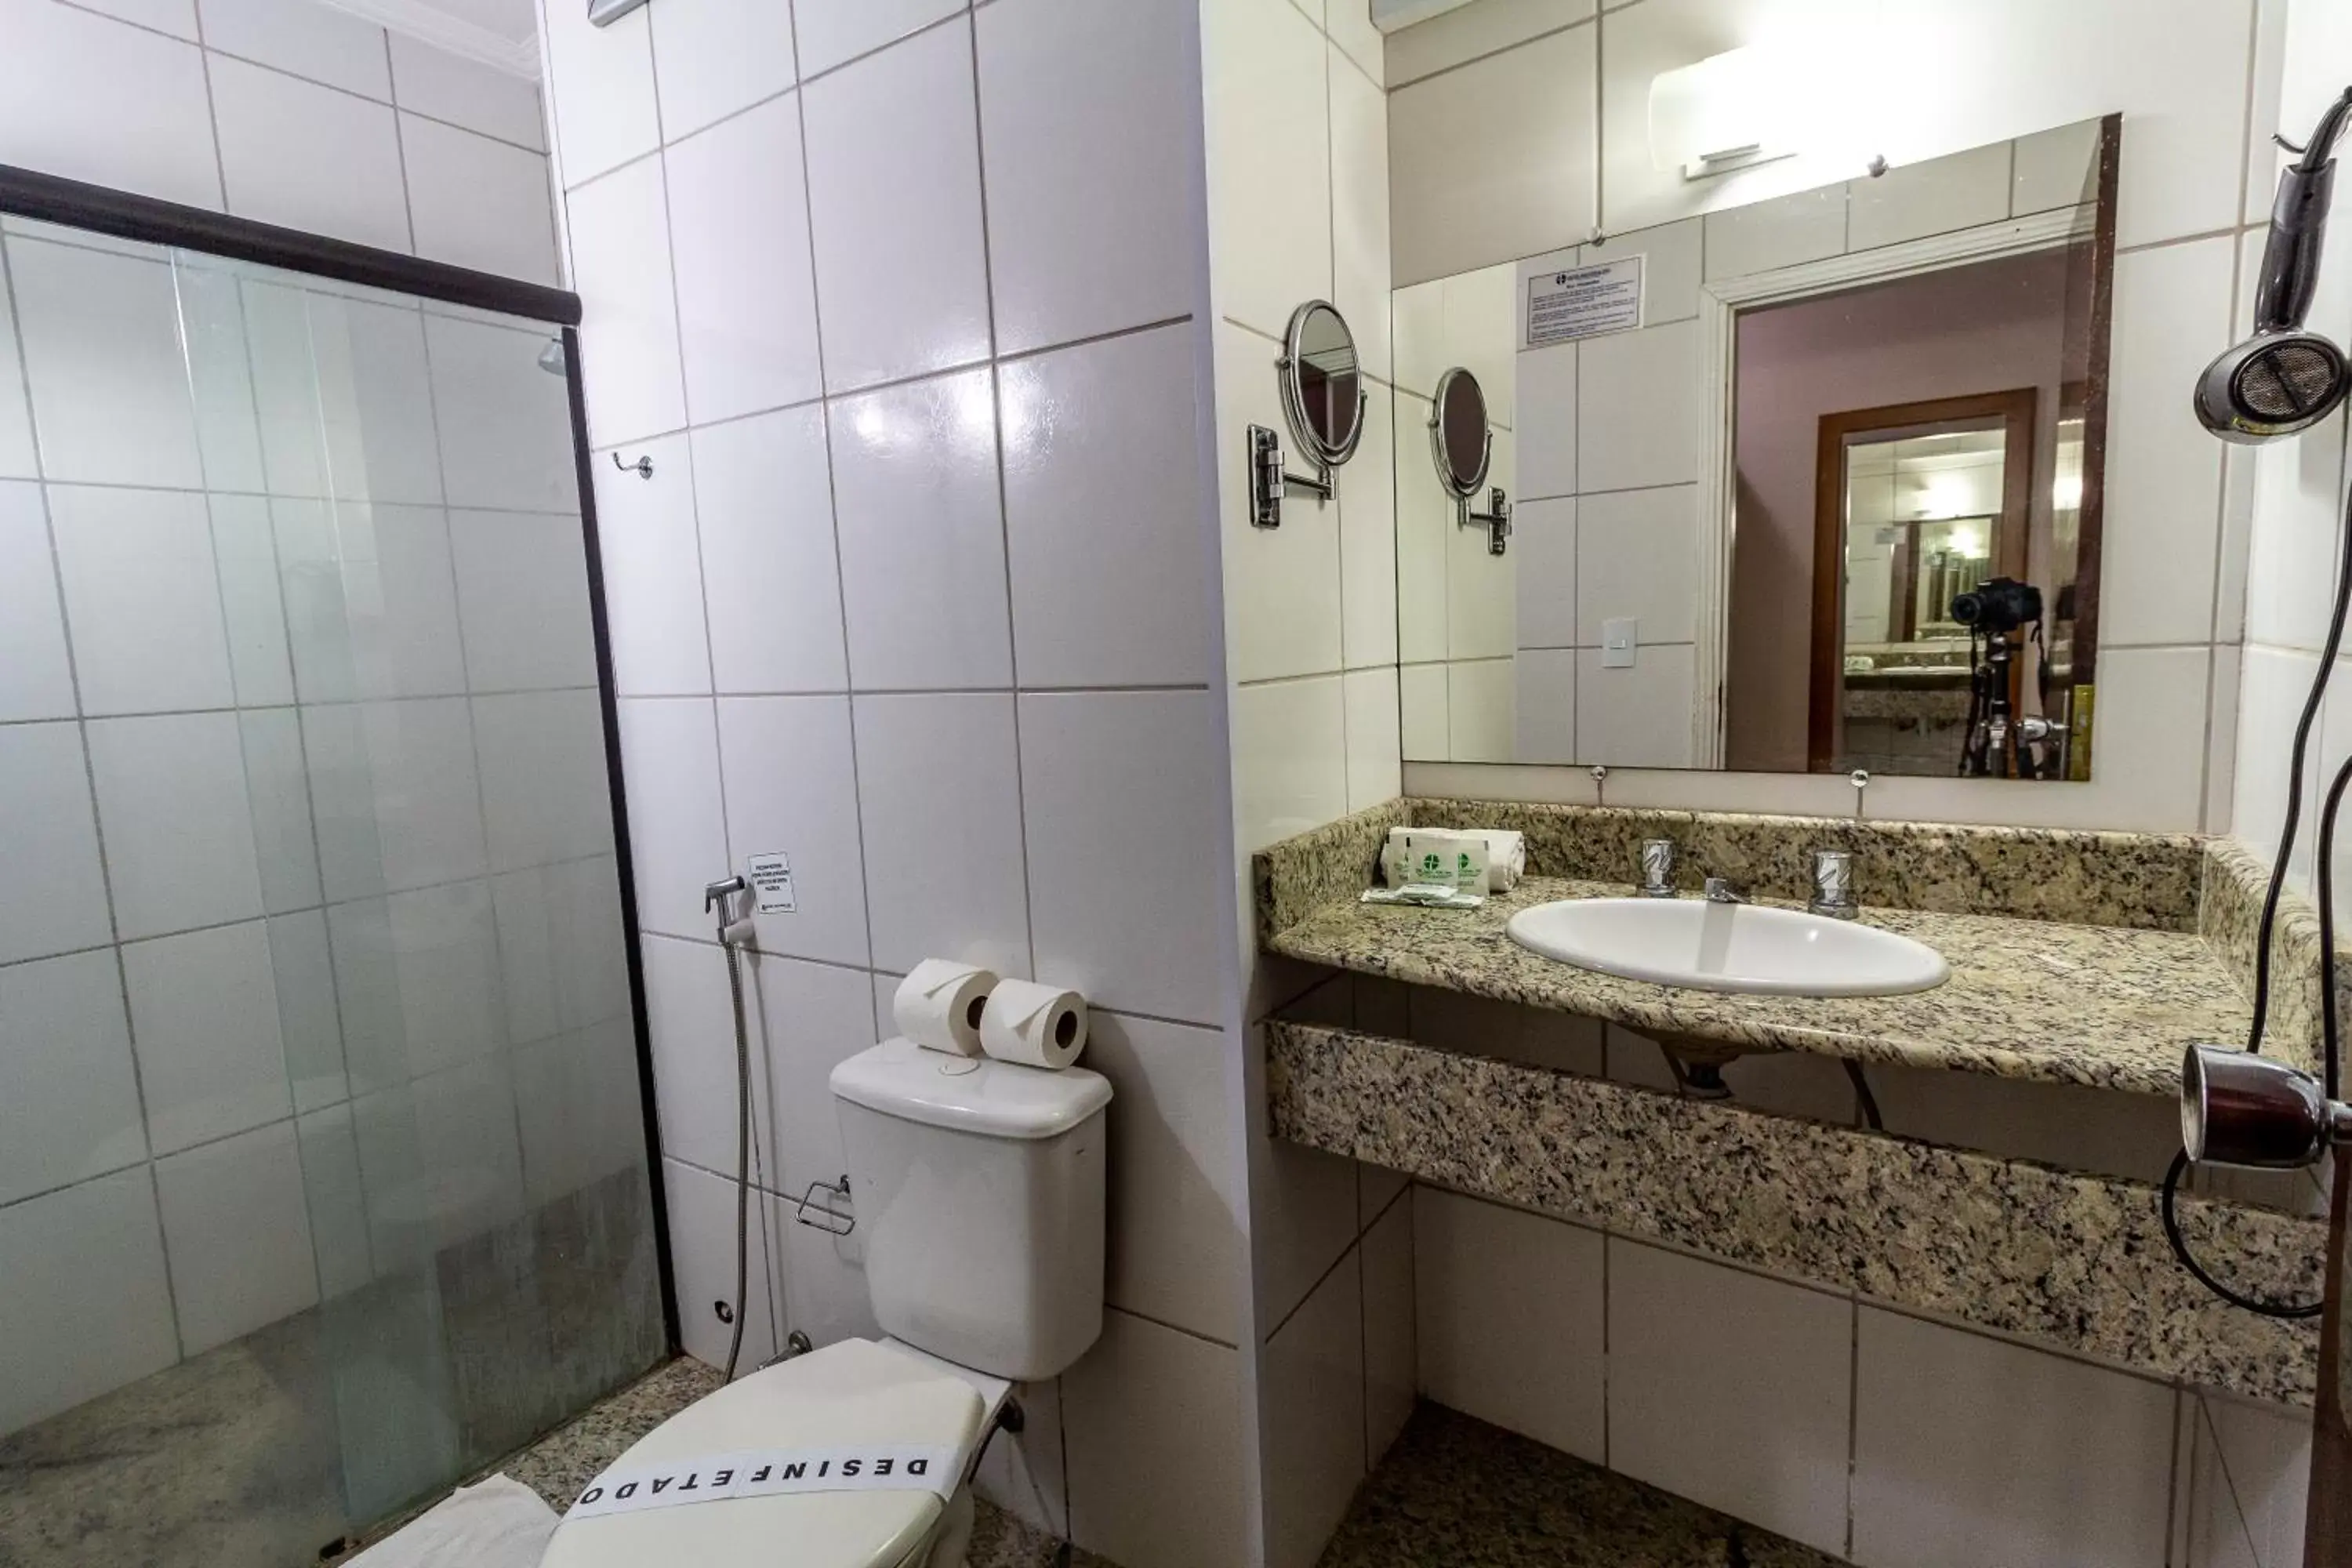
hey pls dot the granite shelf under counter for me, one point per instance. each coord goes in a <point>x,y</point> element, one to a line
<point>2074,1262</point>
<point>2107,1006</point>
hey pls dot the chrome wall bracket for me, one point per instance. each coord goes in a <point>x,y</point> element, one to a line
<point>1269,483</point>
<point>1496,520</point>
<point>827,1216</point>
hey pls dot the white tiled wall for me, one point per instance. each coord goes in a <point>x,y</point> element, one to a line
<point>304,851</point>
<point>2284,511</point>
<point>1885,1439</point>
<point>291,111</point>
<point>906,303</point>
<point>1297,209</point>
<point>2188,618</point>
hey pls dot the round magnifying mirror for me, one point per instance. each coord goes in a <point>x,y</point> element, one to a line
<point>1322,384</point>
<point>1459,437</point>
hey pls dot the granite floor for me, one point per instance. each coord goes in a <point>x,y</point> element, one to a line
<point>1456,1493</point>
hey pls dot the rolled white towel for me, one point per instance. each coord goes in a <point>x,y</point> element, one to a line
<point>1506,853</point>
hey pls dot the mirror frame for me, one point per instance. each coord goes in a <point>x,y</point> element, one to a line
<point>1327,455</point>
<point>1462,489</point>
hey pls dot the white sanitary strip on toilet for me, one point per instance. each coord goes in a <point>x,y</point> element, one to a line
<point>770,1472</point>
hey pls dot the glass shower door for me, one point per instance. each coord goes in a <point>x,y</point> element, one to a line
<point>312,948</point>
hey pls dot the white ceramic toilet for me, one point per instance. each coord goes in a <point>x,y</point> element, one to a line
<point>978,1191</point>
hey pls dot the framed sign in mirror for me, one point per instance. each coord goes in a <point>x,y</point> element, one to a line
<point>1808,485</point>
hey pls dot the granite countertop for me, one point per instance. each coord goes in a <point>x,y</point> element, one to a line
<point>2107,1006</point>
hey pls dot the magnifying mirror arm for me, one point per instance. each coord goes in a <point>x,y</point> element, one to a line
<point>1270,478</point>
<point>1496,520</point>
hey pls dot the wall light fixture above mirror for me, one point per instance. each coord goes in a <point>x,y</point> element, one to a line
<point>1808,484</point>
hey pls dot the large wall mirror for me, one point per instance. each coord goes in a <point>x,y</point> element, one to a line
<point>1803,486</point>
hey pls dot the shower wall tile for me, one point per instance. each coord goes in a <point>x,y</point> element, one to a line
<point>670,759</point>
<point>398,798</point>
<point>177,820</point>
<point>299,155</point>
<point>238,1232</point>
<point>204,1014</point>
<point>815,1016</point>
<point>746,290</point>
<point>690,1014</point>
<point>634,384</point>
<point>715,58</point>
<point>791,782</point>
<point>101,347</point>
<point>545,795</point>
<point>92,98</point>
<point>1124,778</point>
<point>505,425</point>
<point>771,576</point>
<point>904,281</point>
<point>36,675</point>
<point>336,1201</point>
<point>560,948</point>
<point>1101,430</point>
<point>49,844</point>
<point>522,601</point>
<point>301,964</point>
<point>303,39</point>
<point>83,1291</point>
<point>66,1074</point>
<point>1084,117</point>
<point>253,607</point>
<point>645,532</point>
<point>370,600</point>
<point>465,92</point>
<point>278,792</point>
<point>479,203</point>
<point>375,401</point>
<point>921,526</point>
<point>141,599</point>
<point>577,1111</point>
<point>939,799</point>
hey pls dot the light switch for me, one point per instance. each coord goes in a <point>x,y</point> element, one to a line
<point>1618,638</point>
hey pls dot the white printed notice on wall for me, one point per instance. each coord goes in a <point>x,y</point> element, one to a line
<point>770,877</point>
<point>1584,301</point>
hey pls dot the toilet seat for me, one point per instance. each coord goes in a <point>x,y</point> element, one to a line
<point>855,1391</point>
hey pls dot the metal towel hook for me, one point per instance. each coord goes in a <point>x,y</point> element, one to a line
<point>642,467</point>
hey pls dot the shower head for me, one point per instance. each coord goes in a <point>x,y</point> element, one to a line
<point>2284,380</point>
<point>551,358</point>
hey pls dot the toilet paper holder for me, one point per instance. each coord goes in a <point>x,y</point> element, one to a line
<point>828,1219</point>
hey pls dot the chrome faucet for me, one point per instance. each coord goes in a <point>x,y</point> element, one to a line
<point>1657,869</point>
<point>1834,885</point>
<point>1722,890</point>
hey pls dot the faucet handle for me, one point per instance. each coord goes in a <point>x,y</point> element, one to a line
<point>1833,884</point>
<point>1657,869</point>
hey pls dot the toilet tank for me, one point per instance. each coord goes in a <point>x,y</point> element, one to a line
<point>978,1188</point>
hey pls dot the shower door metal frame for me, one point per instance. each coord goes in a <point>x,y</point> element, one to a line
<point>100,209</point>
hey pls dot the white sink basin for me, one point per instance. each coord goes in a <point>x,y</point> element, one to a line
<point>1728,947</point>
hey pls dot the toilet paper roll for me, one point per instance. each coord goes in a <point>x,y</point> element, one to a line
<point>938,1006</point>
<point>1034,1024</point>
